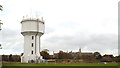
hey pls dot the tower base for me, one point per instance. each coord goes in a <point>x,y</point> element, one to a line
<point>39,60</point>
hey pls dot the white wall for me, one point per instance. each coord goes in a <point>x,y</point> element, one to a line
<point>31,28</point>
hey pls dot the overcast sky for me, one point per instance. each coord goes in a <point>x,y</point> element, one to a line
<point>91,25</point>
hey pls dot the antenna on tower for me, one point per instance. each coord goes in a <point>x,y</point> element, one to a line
<point>23,17</point>
<point>80,50</point>
<point>30,13</point>
<point>42,18</point>
<point>26,16</point>
<point>36,14</point>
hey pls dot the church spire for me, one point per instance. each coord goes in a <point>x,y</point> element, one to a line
<point>80,50</point>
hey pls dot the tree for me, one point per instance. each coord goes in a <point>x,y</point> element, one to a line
<point>10,57</point>
<point>108,58</point>
<point>45,54</point>
<point>1,8</point>
<point>117,58</point>
<point>64,55</point>
<point>61,55</point>
<point>16,58</point>
<point>0,22</point>
<point>46,50</point>
<point>5,58</point>
<point>97,55</point>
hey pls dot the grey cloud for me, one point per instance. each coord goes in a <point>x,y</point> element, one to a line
<point>48,30</point>
<point>93,42</point>
<point>10,34</point>
<point>12,40</point>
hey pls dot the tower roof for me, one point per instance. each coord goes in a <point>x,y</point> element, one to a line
<point>32,19</point>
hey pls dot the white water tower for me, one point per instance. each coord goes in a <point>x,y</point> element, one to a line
<point>32,30</point>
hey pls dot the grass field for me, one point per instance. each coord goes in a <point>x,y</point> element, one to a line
<point>53,64</point>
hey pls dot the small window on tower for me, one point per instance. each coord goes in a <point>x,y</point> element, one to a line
<point>32,37</point>
<point>32,52</point>
<point>32,44</point>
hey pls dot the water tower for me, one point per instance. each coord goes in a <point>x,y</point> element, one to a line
<point>32,30</point>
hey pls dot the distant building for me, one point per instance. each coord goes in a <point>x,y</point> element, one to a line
<point>82,55</point>
<point>75,55</point>
<point>107,58</point>
<point>55,56</point>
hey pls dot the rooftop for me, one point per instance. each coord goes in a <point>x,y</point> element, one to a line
<point>32,19</point>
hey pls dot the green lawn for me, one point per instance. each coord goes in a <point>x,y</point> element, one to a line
<point>53,64</point>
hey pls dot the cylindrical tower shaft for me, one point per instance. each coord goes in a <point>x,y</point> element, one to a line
<point>32,30</point>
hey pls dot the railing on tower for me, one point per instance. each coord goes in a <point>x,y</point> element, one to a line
<point>32,18</point>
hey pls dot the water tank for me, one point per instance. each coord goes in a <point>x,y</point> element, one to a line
<point>32,25</point>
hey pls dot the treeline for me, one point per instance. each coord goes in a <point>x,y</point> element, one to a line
<point>11,58</point>
<point>96,56</point>
<point>70,56</point>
